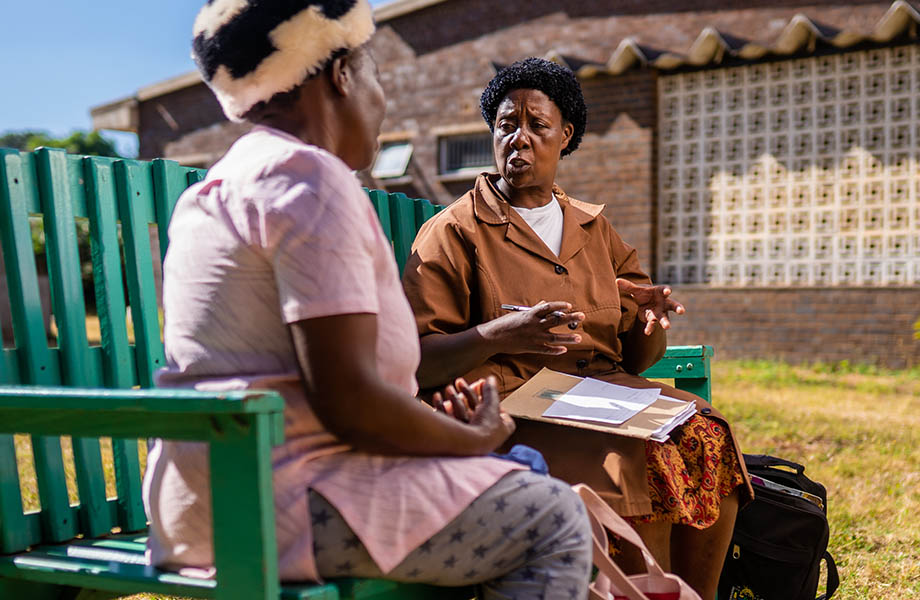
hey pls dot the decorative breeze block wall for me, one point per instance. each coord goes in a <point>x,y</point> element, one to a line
<point>794,173</point>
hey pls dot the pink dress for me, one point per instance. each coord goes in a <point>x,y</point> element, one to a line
<point>281,231</point>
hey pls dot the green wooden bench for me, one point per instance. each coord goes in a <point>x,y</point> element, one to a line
<point>84,542</point>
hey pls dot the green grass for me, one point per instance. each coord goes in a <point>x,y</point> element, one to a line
<point>855,428</point>
<point>857,431</point>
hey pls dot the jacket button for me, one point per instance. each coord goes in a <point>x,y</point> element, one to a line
<point>581,363</point>
<point>560,270</point>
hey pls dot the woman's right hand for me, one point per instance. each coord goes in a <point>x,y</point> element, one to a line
<point>528,332</point>
<point>478,405</point>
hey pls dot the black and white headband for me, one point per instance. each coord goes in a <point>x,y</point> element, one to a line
<point>248,51</point>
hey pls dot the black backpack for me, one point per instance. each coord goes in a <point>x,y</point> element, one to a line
<point>780,538</point>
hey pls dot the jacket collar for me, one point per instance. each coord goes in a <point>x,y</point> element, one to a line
<point>491,207</point>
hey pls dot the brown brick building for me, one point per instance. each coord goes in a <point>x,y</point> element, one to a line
<point>762,156</point>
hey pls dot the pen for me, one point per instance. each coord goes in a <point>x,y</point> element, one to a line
<point>518,308</point>
<point>556,313</point>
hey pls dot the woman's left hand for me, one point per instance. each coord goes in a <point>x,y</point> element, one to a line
<point>462,400</point>
<point>450,402</point>
<point>654,303</point>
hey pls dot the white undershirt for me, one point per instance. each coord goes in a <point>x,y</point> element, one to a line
<point>546,222</point>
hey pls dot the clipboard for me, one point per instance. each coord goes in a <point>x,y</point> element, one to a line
<point>531,399</point>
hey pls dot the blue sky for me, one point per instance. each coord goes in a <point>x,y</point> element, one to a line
<point>59,58</point>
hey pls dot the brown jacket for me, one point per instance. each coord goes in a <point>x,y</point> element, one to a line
<point>479,254</point>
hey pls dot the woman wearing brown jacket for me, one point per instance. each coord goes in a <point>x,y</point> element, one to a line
<point>517,238</point>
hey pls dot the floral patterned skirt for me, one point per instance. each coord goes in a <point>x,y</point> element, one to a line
<point>690,474</point>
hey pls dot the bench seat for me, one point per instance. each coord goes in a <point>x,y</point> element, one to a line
<point>115,565</point>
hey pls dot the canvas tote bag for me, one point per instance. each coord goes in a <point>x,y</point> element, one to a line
<point>611,583</point>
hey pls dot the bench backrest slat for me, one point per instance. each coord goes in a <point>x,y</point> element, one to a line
<point>94,510</point>
<point>9,367</point>
<point>401,217</point>
<point>21,191</point>
<point>118,367</point>
<point>402,225</point>
<point>130,505</point>
<point>14,533</point>
<point>57,520</point>
<point>134,186</point>
<point>18,198</point>
<point>169,181</point>
<point>62,255</point>
<point>424,210</point>
<point>117,355</point>
<point>380,201</point>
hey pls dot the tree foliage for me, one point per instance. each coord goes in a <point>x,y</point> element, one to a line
<point>17,139</point>
<point>78,142</point>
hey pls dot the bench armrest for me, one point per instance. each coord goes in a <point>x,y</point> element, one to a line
<point>172,414</point>
<point>240,427</point>
<point>689,366</point>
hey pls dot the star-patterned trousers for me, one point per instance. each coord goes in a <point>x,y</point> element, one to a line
<point>524,538</point>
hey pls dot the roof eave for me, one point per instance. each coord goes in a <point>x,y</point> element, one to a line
<point>398,8</point>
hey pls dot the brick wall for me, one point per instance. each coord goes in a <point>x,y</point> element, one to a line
<point>802,325</point>
<point>616,163</point>
<point>434,64</point>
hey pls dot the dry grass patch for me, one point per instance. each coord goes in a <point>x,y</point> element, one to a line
<point>857,431</point>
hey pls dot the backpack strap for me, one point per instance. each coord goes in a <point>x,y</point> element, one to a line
<point>833,579</point>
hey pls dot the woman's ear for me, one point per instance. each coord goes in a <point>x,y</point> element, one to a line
<point>568,130</point>
<point>340,74</point>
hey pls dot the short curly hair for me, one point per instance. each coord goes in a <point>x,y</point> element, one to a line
<point>557,82</point>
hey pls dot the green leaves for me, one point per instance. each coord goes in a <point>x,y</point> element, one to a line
<point>78,142</point>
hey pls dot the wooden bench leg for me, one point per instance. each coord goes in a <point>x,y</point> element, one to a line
<point>245,551</point>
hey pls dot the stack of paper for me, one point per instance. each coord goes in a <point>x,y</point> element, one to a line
<point>662,433</point>
<point>597,405</point>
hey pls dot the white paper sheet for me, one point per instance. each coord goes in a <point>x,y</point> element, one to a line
<point>599,401</point>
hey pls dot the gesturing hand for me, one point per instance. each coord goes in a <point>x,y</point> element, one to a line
<point>654,303</point>
<point>529,331</point>
<point>479,405</point>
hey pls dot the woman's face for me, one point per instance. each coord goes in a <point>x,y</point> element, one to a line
<point>528,139</point>
<point>369,105</point>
